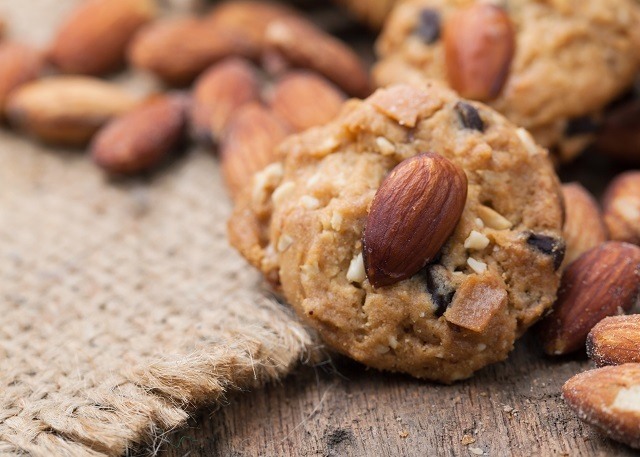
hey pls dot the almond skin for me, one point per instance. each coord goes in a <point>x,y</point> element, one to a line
<point>217,95</point>
<point>621,204</point>
<point>584,226</point>
<point>304,45</point>
<point>94,38</point>
<point>249,144</point>
<point>479,45</point>
<point>304,99</point>
<point>66,110</point>
<point>615,340</point>
<point>19,64</point>
<point>141,138</point>
<point>609,399</point>
<point>619,136</point>
<point>412,215</point>
<point>601,282</point>
<point>178,50</point>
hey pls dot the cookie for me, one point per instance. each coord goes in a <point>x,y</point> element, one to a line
<point>302,222</point>
<point>569,58</point>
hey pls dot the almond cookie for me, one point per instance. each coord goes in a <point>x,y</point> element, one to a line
<point>546,65</point>
<point>455,305</point>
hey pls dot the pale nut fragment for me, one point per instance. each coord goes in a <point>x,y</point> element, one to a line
<point>177,50</point>
<point>304,45</point>
<point>609,399</point>
<point>615,340</point>
<point>479,45</point>
<point>140,139</point>
<point>66,110</point>
<point>583,227</point>
<point>304,100</point>
<point>493,219</point>
<point>19,64</point>
<point>218,93</point>
<point>94,38</point>
<point>412,215</point>
<point>603,281</point>
<point>621,206</point>
<point>249,145</point>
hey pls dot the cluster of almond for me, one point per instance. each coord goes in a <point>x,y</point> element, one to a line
<point>252,64</point>
<point>600,282</point>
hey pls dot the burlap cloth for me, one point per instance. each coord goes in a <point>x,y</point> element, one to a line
<point>122,307</point>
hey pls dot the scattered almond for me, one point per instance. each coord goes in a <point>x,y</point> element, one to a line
<point>304,99</point>
<point>141,138</point>
<point>93,40</point>
<point>178,50</point>
<point>19,64</point>
<point>601,282</point>
<point>304,45</point>
<point>583,227</point>
<point>249,144</point>
<point>615,340</point>
<point>218,93</point>
<point>412,215</point>
<point>609,399</point>
<point>479,45</point>
<point>66,110</point>
<point>619,136</point>
<point>621,204</point>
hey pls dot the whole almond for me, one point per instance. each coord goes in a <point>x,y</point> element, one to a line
<point>621,205</point>
<point>178,50</point>
<point>412,215</point>
<point>66,110</point>
<point>304,99</point>
<point>603,281</point>
<point>304,45</point>
<point>19,64</point>
<point>479,45</point>
<point>249,144</point>
<point>218,93</point>
<point>615,340</point>
<point>141,138</point>
<point>583,227</point>
<point>93,40</point>
<point>609,399</point>
<point>619,136</point>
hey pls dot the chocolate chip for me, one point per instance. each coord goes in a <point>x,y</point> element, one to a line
<point>440,287</point>
<point>549,246</point>
<point>429,26</point>
<point>469,116</point>
<point>581,126</point>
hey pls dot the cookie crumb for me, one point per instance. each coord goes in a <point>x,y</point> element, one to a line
<point>403,434</point>
<point>476,451</point>
<point>467,440</point>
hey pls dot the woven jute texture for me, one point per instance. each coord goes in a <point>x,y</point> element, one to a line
<point>122,307</point>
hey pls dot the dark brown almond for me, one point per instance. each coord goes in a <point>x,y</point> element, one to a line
<point>412,215</point>
<point>142,138</point>
<point>178,50</point>
<point>304,45</point>
<point>479,46</point>
<point>19,64</point>
<point>615,340</point>
<point>66,110</point>
<point>621,206</point>
<point>218,93</point>
<point>304,99</point>
<point>94,39</point>
<point>603,281</point>
<point>619,136</point>
<point>584,226</point>
<point>249,144</point>
<point>609,399</point>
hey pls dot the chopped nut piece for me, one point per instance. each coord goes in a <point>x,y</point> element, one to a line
<point>493,219</point>
<point>309,202</point>
<point>284,243</point>
<point>476,240</point>
<point>476,265</point>
<point>356,272</point>
<point>386,147</point>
